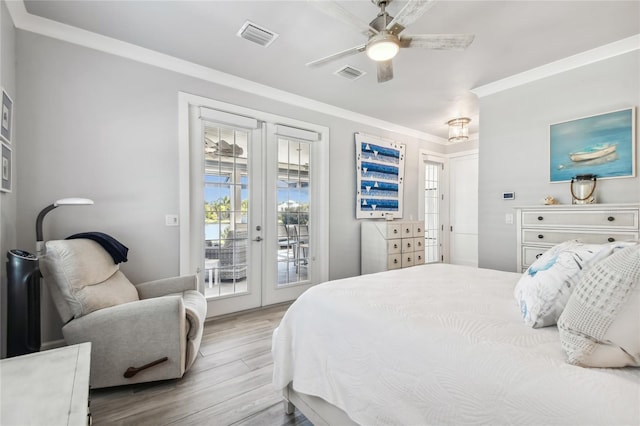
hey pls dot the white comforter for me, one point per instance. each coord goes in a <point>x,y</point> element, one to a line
<point>440,344</point>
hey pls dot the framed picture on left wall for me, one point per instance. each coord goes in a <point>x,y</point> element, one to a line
<point>6,128</point>
<point>6,168</point>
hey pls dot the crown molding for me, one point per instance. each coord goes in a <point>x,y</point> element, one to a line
<point>607,51</point>
<point>46,27</point>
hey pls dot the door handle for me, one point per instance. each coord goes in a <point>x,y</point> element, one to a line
<point>258,238</point>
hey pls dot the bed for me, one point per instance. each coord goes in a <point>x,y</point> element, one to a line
<point>436,344</point>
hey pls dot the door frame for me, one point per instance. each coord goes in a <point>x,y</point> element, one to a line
<point>191,250</point>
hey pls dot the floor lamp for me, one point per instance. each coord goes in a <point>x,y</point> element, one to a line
<point>43,213</point>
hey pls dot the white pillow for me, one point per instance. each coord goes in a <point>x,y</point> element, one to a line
<point>600,326</point>
<point>544,289</point>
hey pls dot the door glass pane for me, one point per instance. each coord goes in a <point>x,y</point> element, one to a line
<point>432,226</point>
<point>226,202</point>
<point>293,203</point>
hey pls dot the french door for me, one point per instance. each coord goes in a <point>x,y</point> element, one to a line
<point>256,218</point>
<point>433,206</point>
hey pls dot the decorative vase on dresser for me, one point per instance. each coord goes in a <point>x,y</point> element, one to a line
<point>387,245</point>
<point>541,227</point>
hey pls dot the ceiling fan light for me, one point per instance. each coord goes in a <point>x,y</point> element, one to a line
<point>459,129</point>
<point>383,46</point>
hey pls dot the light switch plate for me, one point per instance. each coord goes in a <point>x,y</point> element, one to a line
<point>508,218</point>
<point>171,220</point>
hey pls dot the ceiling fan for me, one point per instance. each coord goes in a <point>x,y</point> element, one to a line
<point>384,36</point>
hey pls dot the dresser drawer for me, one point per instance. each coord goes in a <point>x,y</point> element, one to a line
<point>394,261</point>
<point>530,254</point>
<point>394,246</point>
<point>407,229</point>
<point>394,230</point>
<point>407,245</point>
<point>418,229</point>
<point>418,243</point>
<point>541,236</point>
<point>418,257</point>
<point>408,259</point>
<point>621,219</point>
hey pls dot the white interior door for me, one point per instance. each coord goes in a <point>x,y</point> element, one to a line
<point>463,175</point>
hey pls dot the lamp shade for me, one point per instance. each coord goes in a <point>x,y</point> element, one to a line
<point>459,129</point>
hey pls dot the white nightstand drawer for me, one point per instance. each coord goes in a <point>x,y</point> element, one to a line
<point>418,229</point>
<point>541,236</point>
<point>530,254</point>
<point>418,243</point>
<point>622,219</point>
<point>395,261</point>
<point>394,246</point>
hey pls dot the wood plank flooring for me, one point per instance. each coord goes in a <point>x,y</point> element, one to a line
<point>229,384</point>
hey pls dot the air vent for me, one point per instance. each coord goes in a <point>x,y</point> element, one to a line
<point>257,34</point>
<point>350,72</point>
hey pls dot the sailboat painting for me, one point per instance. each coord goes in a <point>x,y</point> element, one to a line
<point>380,176</point>
<point>603,145</point>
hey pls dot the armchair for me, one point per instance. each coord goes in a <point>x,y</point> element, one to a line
<point>142,333</point>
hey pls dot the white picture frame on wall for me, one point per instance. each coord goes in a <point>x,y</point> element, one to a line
<point>6,126</point>
<point>5,168</point>
<point>380,177</point>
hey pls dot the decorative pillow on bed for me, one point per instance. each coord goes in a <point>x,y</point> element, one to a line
<point>544,289</point>
<point>600,326</point>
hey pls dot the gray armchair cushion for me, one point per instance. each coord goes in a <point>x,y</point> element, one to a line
<point>85,278</point>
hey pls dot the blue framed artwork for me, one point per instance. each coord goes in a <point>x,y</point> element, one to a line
<point>380,177</point>
<point>603,145</point>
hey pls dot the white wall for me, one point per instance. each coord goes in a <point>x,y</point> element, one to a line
<point>514,129</point>
<point>100,126</point>
<point>7,200</point>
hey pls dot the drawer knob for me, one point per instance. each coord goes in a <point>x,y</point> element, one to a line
<point>540,236</point>
<point>408,259</point>
<point>395,261</point>
<point>611,218</point>
<point>538,255</point>
<point>408,245</point>
<point>540,218</point>
<point>395,231</point>
<point>611,239</point>
<point>395,246</point>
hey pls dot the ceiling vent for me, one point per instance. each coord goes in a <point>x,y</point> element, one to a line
<point>350,72</point>
<point>257,34</point>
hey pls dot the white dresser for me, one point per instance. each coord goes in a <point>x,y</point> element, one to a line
<point>46,388</point>
<point>389,245</point>
<point>540,227</point>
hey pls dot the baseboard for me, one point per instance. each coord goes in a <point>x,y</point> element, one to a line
<point>52,344</point>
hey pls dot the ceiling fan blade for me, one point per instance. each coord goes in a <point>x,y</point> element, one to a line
<point>385,71</point>
<point>343,54</point>
<point>338,12</point>
<point>438,41</point>
<point>413,10</point>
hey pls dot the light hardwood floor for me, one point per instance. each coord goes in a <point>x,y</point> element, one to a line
<point>229,384</point>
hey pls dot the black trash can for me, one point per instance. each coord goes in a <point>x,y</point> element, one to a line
<point>23,303</point>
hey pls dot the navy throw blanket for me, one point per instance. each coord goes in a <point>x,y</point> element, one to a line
<point>114,247</point>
